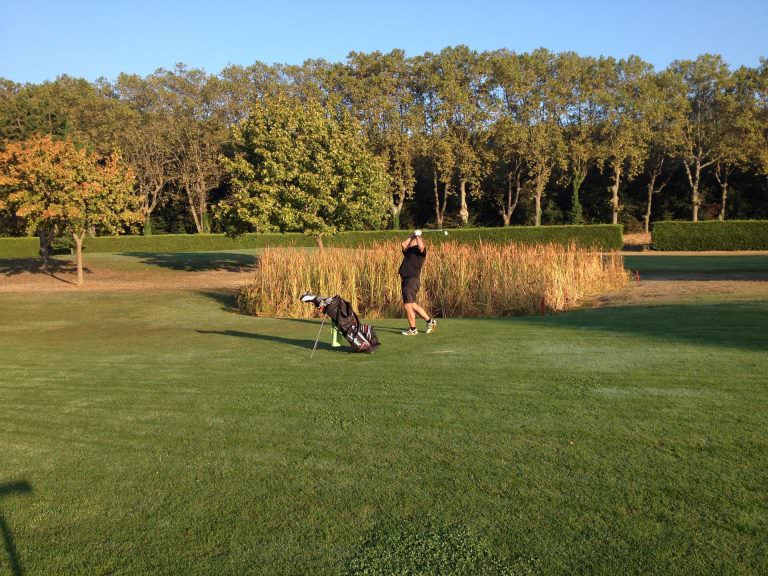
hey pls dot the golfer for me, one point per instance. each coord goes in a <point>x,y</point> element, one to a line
<point>414,254</point>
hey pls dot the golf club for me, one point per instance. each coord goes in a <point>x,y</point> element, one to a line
<point>438,231</point>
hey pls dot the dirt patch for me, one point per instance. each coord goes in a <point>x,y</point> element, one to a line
<point>63,279</point>
<point>666,291</point>
<point>665,287</point>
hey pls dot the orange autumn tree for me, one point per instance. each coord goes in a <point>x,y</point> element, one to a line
<point>53,184</point>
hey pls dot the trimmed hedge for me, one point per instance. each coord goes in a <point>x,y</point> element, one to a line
<point>602,237</point>
<point>192,242</point>
<point>711,235</point>
<point>27,247</point>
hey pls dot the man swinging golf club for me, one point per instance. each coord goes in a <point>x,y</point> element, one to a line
<point>414,254</point>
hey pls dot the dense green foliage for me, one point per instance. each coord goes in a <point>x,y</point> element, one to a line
<point>19,247</point>
<point>731,235</point>
<point>162,433</point>
<point>602,236</point>
<point>467,138</point>
<point>295,169</point>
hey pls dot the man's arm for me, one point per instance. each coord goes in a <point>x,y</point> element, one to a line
<point>407,242</point>
<point>420,244</point>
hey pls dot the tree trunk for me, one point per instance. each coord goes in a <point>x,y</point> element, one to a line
<point>464,210</point>
<point>397,208</point>
<point>537,221</point>
<point>192,208</point>
<point>395,219</point>
<point>79,253</point>
<point>724,189</point>
<point>615,193</point>
<point>693,180</point>
<point>576,215</point>
<point>541,182</point>
<point>656,168</point>
<point>150,198</point>
<point>147,230</point>
<point>438,214</point>
<point>46,236</point>
<point>202,203</point>
<point>722,172</point>
<point>647,217</point>
<point>509,207</point>
<point>444,204</point>
<point>319,240</point>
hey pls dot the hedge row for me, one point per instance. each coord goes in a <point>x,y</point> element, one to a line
<point>19,247</point>
<point>603,237</point>
<point>192,242</point>
<point>711,235</point>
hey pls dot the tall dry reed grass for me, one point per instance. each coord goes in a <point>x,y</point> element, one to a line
<point>457,280</point>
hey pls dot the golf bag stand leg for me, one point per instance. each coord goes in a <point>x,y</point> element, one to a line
<point>317,338</point>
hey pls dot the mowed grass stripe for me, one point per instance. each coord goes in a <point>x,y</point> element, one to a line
<point>163,434</point>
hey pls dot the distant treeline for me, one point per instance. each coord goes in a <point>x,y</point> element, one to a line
<point>463,137</point>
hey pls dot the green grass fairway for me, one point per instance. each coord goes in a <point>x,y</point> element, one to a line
<point>164,433</point>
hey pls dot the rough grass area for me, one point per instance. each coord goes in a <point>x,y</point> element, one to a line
<point>163,433</point>
<point>457,281</point>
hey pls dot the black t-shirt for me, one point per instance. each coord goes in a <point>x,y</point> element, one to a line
<point>413,260</point>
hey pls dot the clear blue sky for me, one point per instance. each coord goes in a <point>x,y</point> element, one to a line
<point>43,39</point>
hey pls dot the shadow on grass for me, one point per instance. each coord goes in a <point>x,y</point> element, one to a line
<point>376,327</point>
<point>198,261</point>
<point>9,544</point>
<point>36,266</point>
<point>741,325</point>
<point>300,343</point>
<point>226,297</point>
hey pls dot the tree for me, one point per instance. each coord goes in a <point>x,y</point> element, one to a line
<point>665,136</point>
<point>704,82</point>
<point>378,88</point>
<point>460,77</point>
<point>507,142</point>
<point>760,77</point>
<point>432,136</point>
<point>527,137</point>
<point>578,83</point>
<point>30,109</point>
<point>194,100</point>
<point>52,184</point>
<point>626,101</point>
<point>541,113</point>
<point>296,168</point>
<point>738,130</point>
<point>147,141</point>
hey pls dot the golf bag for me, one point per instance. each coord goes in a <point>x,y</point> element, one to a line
<point>362,337</point>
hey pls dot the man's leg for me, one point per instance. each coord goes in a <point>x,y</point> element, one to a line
<point>431,322</point>
<point>416,309</point>
<point>409,313</point>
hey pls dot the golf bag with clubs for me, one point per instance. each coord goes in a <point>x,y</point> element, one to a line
<point>362,337</point>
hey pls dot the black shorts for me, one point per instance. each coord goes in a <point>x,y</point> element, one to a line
<point>410,288</point>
